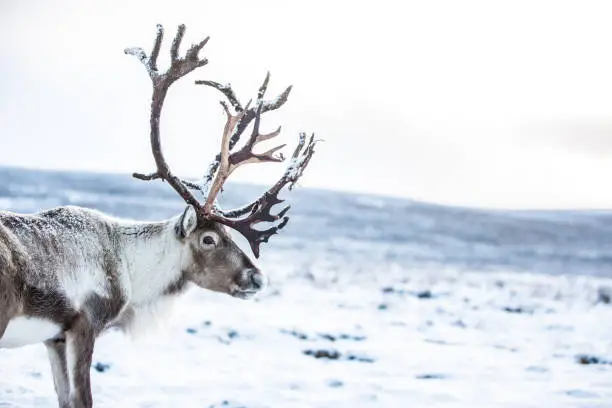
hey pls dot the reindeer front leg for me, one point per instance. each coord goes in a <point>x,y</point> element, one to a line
<point>79,350</point>
<point>56,349</point>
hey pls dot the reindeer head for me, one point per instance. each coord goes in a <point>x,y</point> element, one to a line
<point>217,263</point>
<point>213,260</point>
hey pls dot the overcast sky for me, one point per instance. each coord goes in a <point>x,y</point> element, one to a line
<point>480,103</point>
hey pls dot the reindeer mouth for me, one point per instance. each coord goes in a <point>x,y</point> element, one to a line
<point>247,284</point>
<point>244,294</point>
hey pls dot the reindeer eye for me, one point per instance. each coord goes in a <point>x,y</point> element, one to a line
<point>208,241</point>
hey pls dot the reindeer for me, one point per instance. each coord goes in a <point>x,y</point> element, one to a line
<point>68,274</point>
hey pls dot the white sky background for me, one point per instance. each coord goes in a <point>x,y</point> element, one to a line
<point>480,103</point>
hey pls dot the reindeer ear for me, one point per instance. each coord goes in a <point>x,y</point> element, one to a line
<point>187,223</point>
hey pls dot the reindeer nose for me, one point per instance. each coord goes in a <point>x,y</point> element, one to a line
<point>258,279</point>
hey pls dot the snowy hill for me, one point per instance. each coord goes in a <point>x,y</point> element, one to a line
<point>374,302</point>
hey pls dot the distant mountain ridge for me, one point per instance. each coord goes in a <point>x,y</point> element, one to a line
<point>358,226</point>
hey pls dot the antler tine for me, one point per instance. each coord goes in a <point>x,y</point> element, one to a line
<point>225,90</point>
<point>266,106</point>
<point>299,162</point>
<point>176,43</point>
<point>156,48</point>
<point>249,114</point>
<point>223,163</point>
<point>179,67</point>
<point>246,154</point>
<point>260,210</point>
<point>263,88</point>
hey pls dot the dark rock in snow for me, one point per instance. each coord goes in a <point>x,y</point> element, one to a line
<point>295,333</point>
<point>425,294</point>
<point>604,295</point>
<point>431,376</point>
<point>327,336</point>
<point>331,354</point>
<point>342,336</point>
<point>351,337</point>
<point>229,336</point>
<point>459,323</point>
<point>588,359</point>
<point>361,359</point>
<point>328,354</point>
<point>517,309</point>
<point>101,367</point>
<point>34,374</point>
<point>507,348</point>
<point>191,330</point>
<point>421,294</point>
<point>335,383</point>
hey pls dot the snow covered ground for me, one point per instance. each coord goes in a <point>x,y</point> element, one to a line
<point>373,303</point>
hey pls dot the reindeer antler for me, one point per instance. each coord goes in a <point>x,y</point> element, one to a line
<point>225,163</point>
<point>179,67</point>
<point>243,219</point>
